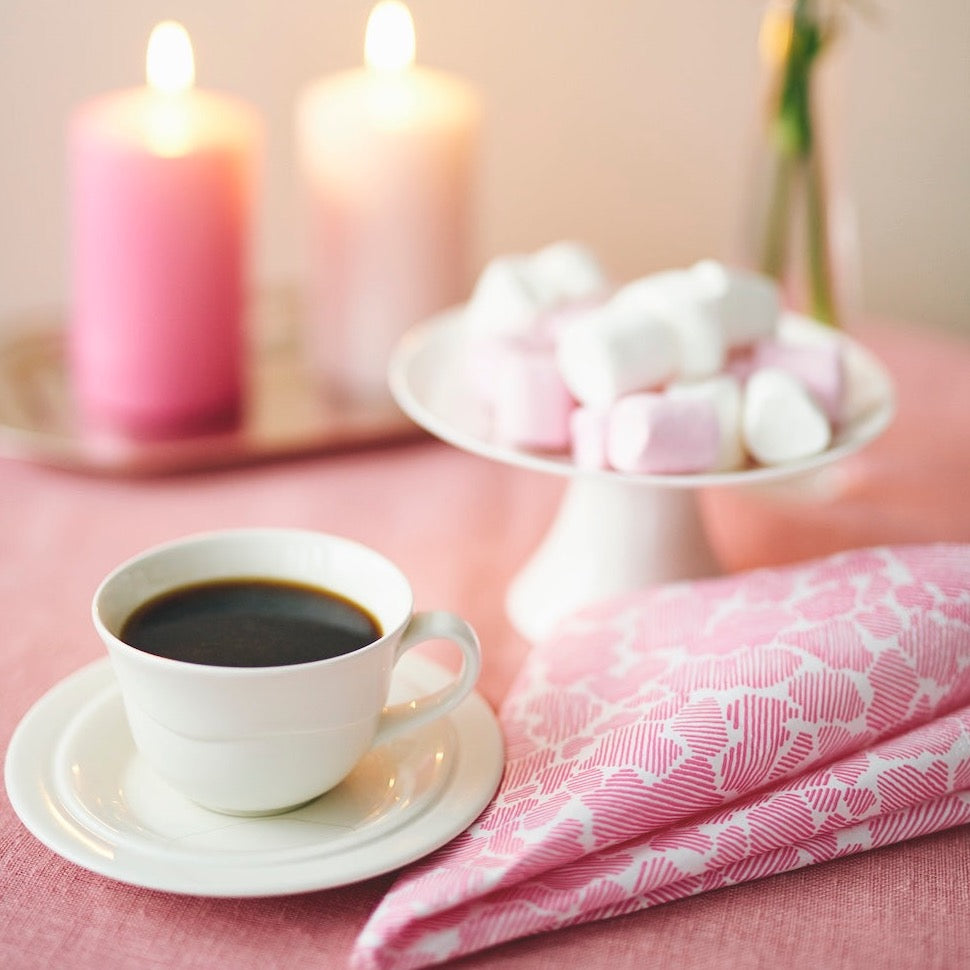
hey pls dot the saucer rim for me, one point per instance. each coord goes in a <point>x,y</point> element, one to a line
<point>31,785</point>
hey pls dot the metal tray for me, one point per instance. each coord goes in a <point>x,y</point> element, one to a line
<point>287,414</point>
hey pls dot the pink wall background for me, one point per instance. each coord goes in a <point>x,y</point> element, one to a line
<point>626,123</point>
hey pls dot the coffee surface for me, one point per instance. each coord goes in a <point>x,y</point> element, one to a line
<point>249,623</point>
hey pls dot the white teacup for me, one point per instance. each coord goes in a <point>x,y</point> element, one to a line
<point>260,740</point>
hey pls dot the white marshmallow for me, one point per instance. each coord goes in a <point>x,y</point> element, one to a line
<point>554,319</point>
<point>700,339</point>
<point>661,289</point>
<point>587,429</point>
<point>531,403</point>
<point>796,331</point>
<point>865,392</point>
<point>655,434</point>
<point>512,291</point>
<point>565,271</point>
<point>692,316</point>
<point>504,301</point>
<point>748,304</point>
<point>724,394</point>
<point>818,366</point>
<point>614,350</point>
<point>780,420</point>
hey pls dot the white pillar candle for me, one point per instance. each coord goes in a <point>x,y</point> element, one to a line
<point>386,153</point>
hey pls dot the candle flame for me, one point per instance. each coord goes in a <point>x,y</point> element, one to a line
<point>389,40</point>
<point>169,64</point>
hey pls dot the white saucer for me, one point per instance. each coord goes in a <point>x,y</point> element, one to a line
<point>77,783</point>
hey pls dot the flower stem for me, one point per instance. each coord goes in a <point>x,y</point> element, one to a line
<point>796,159</point>
<point>774,249</point>
<point>820,288</point>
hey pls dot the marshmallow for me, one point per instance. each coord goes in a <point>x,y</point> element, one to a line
<point>553,320</point>
<point>780,421</point>
<point>566,271</point>
<point>485,358</point>
<point>748,304</point>
<point>587,431</point>
<point>740,363</point>
<point>700,340</point>
<point>860,393</point>
<point>504,301</point>
<point>724,394</point>
<point>658,289</point>
<point>864,392</point>
<point>653,433</point>
<point>512,291</point>
<point>691,315</point>
<point>614,350</point>
<point>818,366</point>
<point>797,331</point>
<point>531,406</point>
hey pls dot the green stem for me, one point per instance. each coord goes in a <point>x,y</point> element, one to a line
<point>774,249</point>
<point>796,155</point>
<point>820,289</point>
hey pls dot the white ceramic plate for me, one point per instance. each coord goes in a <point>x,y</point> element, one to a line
<point>77,783</point>
<point>429,377</point>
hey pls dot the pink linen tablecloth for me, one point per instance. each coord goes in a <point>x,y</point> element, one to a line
<point>461,527</point>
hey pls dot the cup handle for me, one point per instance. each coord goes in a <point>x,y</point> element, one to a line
<point>432,625</point>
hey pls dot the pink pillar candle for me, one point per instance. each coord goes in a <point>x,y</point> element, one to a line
<point>386,154</point>
<point>161,197</point>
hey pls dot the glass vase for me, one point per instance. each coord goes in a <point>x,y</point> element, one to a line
<point>800,222</point>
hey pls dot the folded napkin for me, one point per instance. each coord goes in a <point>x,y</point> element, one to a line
<point>697,735</point>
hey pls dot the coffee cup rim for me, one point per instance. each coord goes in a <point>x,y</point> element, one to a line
<point>108,634</point>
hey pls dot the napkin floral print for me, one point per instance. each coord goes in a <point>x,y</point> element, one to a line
<point>702,734</point>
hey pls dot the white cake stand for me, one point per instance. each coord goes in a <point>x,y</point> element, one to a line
<point>613,532</point>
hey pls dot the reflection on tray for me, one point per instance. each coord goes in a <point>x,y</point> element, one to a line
<point>287,414</point>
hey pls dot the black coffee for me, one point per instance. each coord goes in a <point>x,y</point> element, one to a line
<point>249,623</point>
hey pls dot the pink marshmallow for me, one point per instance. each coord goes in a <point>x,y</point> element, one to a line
<point>741,363</point>
<point>818,366</point>
<point>486,358</point>
<point>531,403</point>
<point>652,433</point>
<point>588,427</point>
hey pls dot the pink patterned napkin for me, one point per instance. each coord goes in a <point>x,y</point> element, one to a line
<point>698,735</point>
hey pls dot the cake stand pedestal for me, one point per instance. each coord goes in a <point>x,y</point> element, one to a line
<point>613,532</point>
<point>609,536</point>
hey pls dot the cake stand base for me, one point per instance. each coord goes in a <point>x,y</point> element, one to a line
<point>609,536</point>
